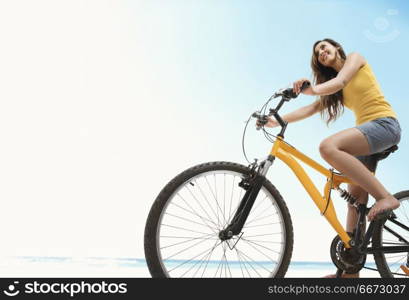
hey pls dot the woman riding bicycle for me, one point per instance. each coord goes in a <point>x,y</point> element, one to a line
<point>347,80</point>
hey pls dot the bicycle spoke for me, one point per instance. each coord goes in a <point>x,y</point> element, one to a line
<point>254,209</point>
<point>195,214</point>
<point>207,258</point>
<point>215,198</point>
<point>262,225</point>
<point>197,184</point>
<point>239,260</point>
<point>268,242</point>
<point>187,220</point>
<point>179,243</point>
<point>184,250</point>
<point>394,256</point>
<point>395,233</point>
<point>181,228</point>
<point>215,188</point>
<point>217,270</point>
<point>396,261</point>
<point>237,207</point>
<point>197,261</point>
<point>394,243</point>
<point>251,244</point>
<point>252,265</point>
<point>195,210</point>
<point>201,262</point>
<point>200,205</point>
<point>228,267</point>
<point>177,237</point>
<point>399,264</point>
<point>223,260</point>
<point>256,235</point>
<point>249,241</point>
<point>244,262</point>
<point>208,203</point>
<point>404,211</point>
<point>185,262</point>
<point>262,218</point>
<point>231,198</point>
<point>204,270</point>
<point>224,197</point>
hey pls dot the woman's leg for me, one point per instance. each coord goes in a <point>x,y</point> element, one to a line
<point>339,151</point>
<point>352,217</point>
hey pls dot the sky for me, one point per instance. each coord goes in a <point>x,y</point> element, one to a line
<point>103,102</point>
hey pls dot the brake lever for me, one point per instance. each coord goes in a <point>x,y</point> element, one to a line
<point>262,119</point>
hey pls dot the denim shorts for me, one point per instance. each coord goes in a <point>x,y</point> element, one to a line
<point>381,134</point>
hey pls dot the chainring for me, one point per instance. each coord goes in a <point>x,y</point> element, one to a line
<point>345,259</point>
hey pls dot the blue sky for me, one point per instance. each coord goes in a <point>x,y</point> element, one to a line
<point>103,102</point>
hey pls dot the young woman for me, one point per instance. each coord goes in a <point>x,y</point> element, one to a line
<point>347,80</point>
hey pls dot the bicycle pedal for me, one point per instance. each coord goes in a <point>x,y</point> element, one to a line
<point>382,215</point>
<point>405,269</point>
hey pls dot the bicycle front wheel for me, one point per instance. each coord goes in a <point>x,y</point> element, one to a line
<point>388,233</point>
<point>182,229</point>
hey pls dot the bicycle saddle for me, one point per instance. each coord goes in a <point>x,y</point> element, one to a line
<point>384,154</point>
<point>379,156</point>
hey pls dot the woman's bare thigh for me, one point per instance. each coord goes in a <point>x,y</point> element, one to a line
<point>350,140</point>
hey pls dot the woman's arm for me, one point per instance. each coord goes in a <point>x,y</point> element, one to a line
<point>353,63</point>
<point>302,113</point>
<point>297,115</point>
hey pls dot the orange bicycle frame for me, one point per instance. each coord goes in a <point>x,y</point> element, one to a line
<point>287,153</point>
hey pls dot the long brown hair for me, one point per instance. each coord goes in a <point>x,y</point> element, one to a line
<point>331,106</point>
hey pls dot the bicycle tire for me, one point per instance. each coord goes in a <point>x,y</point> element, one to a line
<point>159,267</point>
<point>389,265</point>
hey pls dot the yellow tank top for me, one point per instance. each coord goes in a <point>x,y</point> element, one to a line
<point>364,97</point>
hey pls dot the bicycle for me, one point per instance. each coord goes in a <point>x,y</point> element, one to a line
<point>223,219</point>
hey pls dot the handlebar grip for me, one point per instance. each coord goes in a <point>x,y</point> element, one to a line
<point>305,85</point>
<point>290,92</point>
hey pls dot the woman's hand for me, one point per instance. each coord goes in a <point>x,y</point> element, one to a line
<point>297,85</point>
<point>270,123</point>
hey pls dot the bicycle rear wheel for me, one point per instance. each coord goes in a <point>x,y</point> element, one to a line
<point>389,263</point>
<point>182,229</point>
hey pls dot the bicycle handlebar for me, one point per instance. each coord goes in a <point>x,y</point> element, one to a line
<point>289,93</point>
<point>286,94</point>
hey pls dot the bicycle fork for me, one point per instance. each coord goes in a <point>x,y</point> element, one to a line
<point>252,184</point>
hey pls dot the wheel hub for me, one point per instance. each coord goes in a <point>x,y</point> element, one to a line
<point>225,235</point>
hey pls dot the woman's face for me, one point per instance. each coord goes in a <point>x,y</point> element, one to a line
<point>326,53</point>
